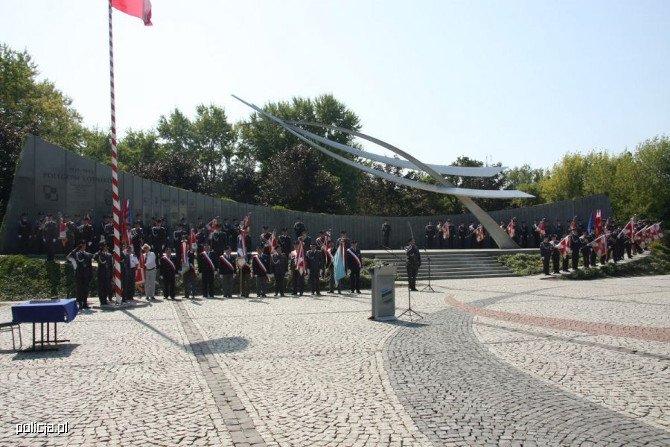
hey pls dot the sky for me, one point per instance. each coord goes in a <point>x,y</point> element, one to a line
<point>511,81</point>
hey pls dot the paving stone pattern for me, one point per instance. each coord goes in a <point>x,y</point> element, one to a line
<point>491,368</point>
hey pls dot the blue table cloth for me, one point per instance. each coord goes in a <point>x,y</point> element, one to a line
<point>47,311</point>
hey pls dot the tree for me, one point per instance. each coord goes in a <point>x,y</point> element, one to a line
<point>298,181</point>
<point>209,138</point>
<point>178,170</point>
<point>239,181</point>
<point>34,106</point>
<point>653,160</point>
<point>139,147</point>
<point>262,138</point>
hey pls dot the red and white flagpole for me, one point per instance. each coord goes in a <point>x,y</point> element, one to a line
<point>116,205</point>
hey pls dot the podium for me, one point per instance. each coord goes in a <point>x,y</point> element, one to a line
<point>383,293</point>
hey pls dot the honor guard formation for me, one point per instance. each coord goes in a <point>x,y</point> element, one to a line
<point>201,251</point>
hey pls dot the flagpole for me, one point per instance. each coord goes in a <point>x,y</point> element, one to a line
<point>115,170</point>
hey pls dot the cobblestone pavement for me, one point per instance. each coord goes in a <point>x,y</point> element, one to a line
<point>315,371</point>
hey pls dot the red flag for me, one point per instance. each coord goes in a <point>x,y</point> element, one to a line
<point>565,247</point>
<point>63,230</point>
<point>300,258</point>
<point>599,223</point>
<point>542,228</point>
<point>274,243</point>
<point>573,224</point>
<point>600,245</point>
<point>480,233</point>
<point>511,229</point>
<point>135,8</point>
<point>193,239</point>
<point>139,273</point>
<point>629,229</point>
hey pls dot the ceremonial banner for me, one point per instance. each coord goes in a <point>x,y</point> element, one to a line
<point>338,263</point>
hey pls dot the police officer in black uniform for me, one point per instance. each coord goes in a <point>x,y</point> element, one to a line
<point>285,241</point>
<point>227,269</point>
<point>430,235</point>
<point>207,270</point>
<point>297,278</point>
<point>105,273</point>
<point>299,228</point>
<point>86,233</point>
<point>314,261</point>
<point>25,233</point>
<point>159,237</point>
<point>546,249</point>
<point>279,266</point>
<point>50,235</point>
<point>354,264</point>
<point>82,274</point>
<point>575,245</point>
<point>169,267</point>
<point>137,237</point>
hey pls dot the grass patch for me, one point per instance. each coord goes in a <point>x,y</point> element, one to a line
<point>522,264</point>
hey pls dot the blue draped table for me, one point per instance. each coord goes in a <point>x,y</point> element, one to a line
<point>45,311</point>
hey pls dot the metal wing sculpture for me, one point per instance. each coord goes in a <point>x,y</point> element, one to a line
<point>435,171</point>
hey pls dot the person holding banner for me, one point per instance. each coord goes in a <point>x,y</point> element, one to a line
<point>207,269</point>
<point>169,268</point>
<point>297,272</point>
<point>226,271</point>
<point>260,264</point>
<point>354,264</point>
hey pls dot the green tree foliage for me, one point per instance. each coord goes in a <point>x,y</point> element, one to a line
<point>262,138</point>
<point>36,106</point>
<point>180,170</point>
<point>208,138</point>
<point>240,181</point>
<point>299,181</point>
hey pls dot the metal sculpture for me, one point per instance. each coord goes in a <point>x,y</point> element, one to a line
<point>435,171</point>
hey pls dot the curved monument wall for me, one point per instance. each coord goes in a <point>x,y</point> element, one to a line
<point>52,179</point>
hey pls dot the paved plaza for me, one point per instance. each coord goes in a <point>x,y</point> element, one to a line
<point>502,361</point>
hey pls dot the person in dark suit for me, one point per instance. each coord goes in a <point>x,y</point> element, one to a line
<point>50,235</point>
<point>25,233</point>
<point>219,240</point>
<point>299,228</point>
<point>169,267</point>
<point>86,233</point>
<point>462,235</point>
<point>105,273</point>
<point>413,263</point>
<point>314,260</point>
<point>189,276</point>
<point>82,273</point>
<point>137,237</point>
<point>354,264</point>
<point>297,277</point>
<point>279,267</point>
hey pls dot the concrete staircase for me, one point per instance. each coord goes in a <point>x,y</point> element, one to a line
<point>451,264</point>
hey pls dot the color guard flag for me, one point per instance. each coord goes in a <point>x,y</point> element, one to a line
<point>135,8</point>
<point>565,247</point>
<point>600,245</point>
<point>338,263</point>
<point>589,226</point>
<point>599,222</point>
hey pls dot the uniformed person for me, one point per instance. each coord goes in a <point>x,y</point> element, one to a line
<point>430,235</point>
<point>413,263</point>
<point>452,233</point>
<point>546,249</point>
<point>260,265</point>
<point>299,228</point>
<point>86,233</point>
<point>25,233</point>
<point>105,274</point>
<point>169,267</point>
<point>386,233</point>
<point>279,266</point>
<point>354,264</point>
<point>129,263</point>
<point>297,278</point>
<point>285,241</point>
<point>219,240</point>
<point>314,260</point>
<point>462,233</point>
<point>159,237</point>
<point>585,249</point>
<point>82,273</point>
<point>50,236</point>
<point>137,237</point>
<point>177,236</point>
<point>227,269</point>
<point>206,267</point>
<point>108,233</point>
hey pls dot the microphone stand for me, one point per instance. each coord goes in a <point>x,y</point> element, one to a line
<point>428,287</point>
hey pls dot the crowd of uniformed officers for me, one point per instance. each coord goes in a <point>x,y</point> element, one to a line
<point>196,253</point>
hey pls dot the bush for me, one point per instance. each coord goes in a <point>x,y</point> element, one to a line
<point>24,278</point>
<point>522,264</point>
